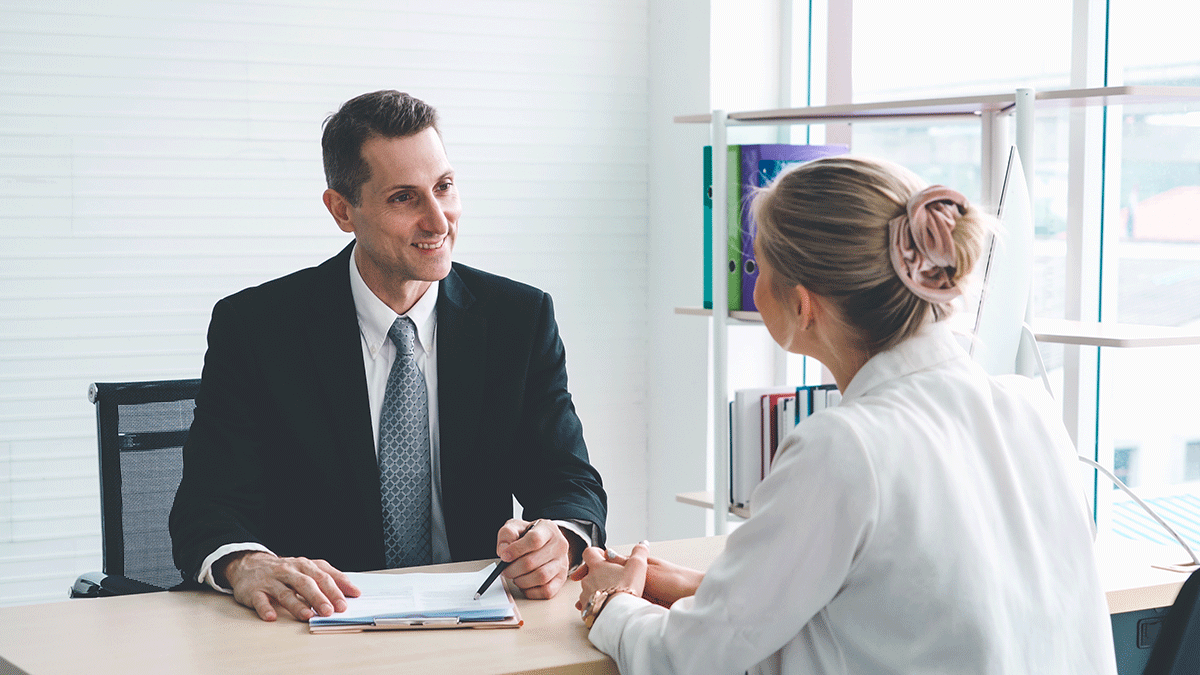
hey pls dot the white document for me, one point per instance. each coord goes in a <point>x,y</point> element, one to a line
<point>422,595</point>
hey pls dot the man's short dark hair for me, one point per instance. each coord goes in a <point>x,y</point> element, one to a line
<point>387,113</point>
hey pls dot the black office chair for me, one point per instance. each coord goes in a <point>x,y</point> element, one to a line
<point>1176,651</point>
<point>141,427</point>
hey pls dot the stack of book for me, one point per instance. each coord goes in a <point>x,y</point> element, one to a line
<point>748,167</point>
<point>759,419</point>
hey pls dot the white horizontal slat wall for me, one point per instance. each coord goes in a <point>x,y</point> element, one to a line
<point>156,156</point>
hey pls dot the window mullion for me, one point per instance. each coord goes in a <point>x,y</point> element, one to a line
<point>1084,235</point>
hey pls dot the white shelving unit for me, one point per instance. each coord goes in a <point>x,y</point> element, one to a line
<point>988,109</point>
<point>1059,331</point>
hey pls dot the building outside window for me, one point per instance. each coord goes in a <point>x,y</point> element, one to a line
<point>1125,466</point>
<point>1191,461</point>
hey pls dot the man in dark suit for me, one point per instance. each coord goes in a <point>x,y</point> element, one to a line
<point>281,489</point>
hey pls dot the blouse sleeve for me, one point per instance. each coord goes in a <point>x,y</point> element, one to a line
<point>813,517</point>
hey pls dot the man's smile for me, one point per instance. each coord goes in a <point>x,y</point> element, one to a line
<point>431,247</point>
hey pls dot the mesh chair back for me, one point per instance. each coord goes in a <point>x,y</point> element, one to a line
<point>1176,650</point>
<point>141,427</point>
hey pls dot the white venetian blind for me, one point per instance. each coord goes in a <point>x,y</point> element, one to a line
<point>157,156</point>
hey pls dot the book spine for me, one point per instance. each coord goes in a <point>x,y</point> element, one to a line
<point>734,446</point>
<point>708,209</point>
<point>783,418</point>
<point>733,197</point>
<point>749,265</point>
<point>746,446</point>
<point>774,406</point>
<point>760,165</point>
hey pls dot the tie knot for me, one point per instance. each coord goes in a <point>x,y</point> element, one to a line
<point>403,333</point>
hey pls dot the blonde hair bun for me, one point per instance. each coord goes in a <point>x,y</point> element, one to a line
<point>889,250</point>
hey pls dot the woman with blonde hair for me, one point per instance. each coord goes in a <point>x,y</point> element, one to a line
<point>928,523</point>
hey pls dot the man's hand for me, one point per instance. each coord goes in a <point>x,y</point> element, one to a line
<point>302,587</point>
<point>539,560</point>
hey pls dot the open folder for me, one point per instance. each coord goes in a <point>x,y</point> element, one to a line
<point>422,600</point>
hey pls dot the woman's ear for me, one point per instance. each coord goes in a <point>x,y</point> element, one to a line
<point>803,303</point>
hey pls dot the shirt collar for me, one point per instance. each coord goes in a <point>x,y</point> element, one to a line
<point>375,318</point>
<point>933,344</point>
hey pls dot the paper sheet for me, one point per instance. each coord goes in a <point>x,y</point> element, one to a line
<point>422,595</point>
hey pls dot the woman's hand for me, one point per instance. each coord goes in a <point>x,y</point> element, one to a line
<point>666,582</point>
<point>599,572</point>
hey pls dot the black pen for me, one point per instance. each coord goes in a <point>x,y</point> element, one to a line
<point>501,565</point>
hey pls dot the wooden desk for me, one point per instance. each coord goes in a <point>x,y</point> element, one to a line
<point>204,632</point>
<point>1131,581</point>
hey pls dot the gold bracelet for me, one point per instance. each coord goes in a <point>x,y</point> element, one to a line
<point>599,601</point>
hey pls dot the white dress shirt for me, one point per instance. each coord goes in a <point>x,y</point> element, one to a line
<point>375,319</point>
<point>930,523</point>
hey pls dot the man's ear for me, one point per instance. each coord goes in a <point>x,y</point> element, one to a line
<point>339,207</point>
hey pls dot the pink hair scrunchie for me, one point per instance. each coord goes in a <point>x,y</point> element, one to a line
<point>922,245</point>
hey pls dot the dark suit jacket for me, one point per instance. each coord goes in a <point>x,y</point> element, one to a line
<point>281,450</point>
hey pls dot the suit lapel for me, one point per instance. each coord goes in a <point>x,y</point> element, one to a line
<point>461,344</point>
<point>341,379</point>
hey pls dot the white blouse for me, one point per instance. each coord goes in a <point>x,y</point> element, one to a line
<point>930,523</point>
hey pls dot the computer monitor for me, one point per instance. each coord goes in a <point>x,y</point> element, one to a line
<point>1004,290</point>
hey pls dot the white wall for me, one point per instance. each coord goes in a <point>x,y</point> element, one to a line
<point>678,372</point>
<point>692,70</point>
<point>156,156</point>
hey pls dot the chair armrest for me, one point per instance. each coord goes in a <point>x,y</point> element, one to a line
<point>99,585</point>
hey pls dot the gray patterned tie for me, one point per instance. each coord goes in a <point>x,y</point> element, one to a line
<point>404,471</point>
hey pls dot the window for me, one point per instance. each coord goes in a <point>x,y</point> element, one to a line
<point>1125,466</point>
<point>1191,461</point>
<point>1116,196</point>
<point>1149,255</point>
<point>951,48</point>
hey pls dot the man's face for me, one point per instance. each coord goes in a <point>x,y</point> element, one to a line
<point>407,218</point>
